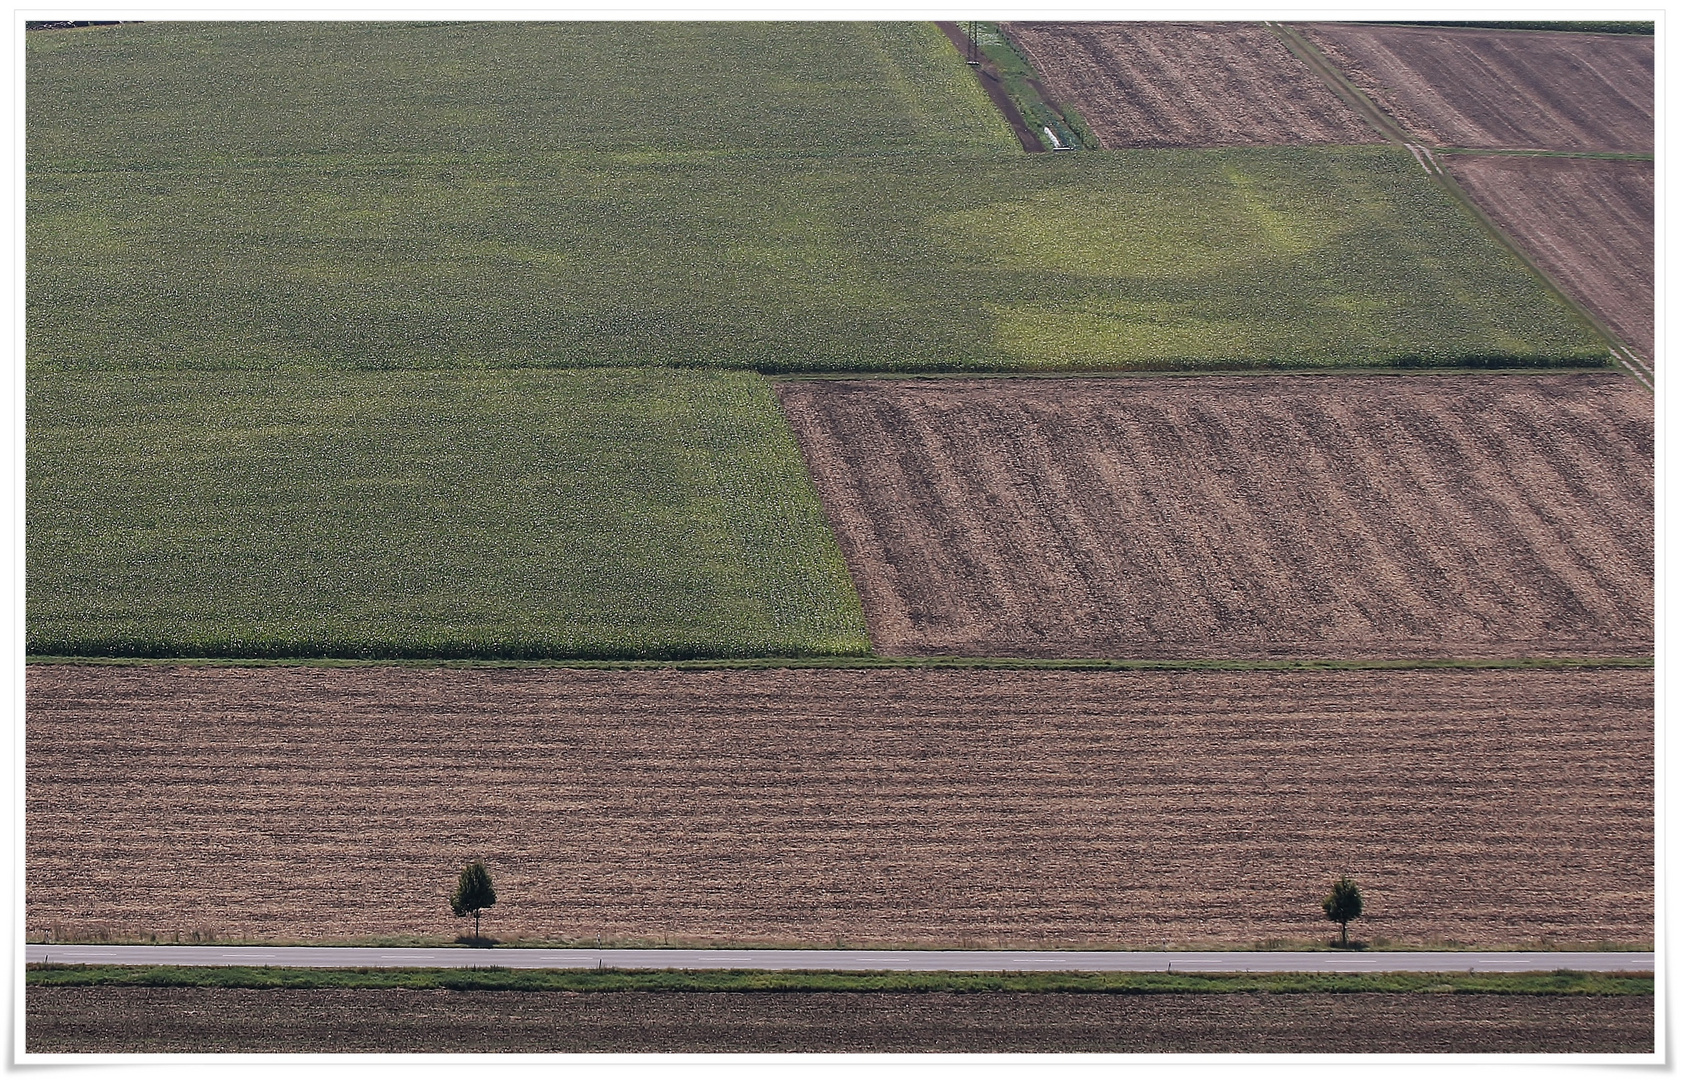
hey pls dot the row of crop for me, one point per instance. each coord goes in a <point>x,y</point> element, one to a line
<point>1148,259</point>
<point>426,514</point>
<point>142,94</point>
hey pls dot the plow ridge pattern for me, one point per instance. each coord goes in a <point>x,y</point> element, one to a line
<point>991,807</point>
<point>1187,84</point>
<point>1242,517</point>
<point>1587,222</point>
<point>1503,89</point>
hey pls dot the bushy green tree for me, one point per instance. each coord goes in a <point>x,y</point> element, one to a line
<point>1343,904</point>
<point>473,893</point>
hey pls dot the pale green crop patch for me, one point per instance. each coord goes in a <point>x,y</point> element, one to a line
<point>426,514</point>
<point>1319,257</point>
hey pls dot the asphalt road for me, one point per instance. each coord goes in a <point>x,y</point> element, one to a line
<point>838,959</point>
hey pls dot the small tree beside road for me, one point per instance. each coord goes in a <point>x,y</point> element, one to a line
<point>1343,904</point>
<point>473,893</point>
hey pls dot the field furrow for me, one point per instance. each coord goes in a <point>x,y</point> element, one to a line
<point>987,807</point>
<point>1187,84</point>
<point>1587,222</point>
<point>1403,516</point>
<point>1503,89</point>
<point>147,1020</point>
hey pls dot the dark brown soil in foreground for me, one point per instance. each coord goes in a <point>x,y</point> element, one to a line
<point>873,807</point>
<point>105,1020</point>
<point>1588,222</point>
<point>1228,516</point>
<point>1503,89</point>
<point>1187,84</point>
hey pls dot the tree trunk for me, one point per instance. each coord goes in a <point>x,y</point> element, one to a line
<point>476,927</point>
<point>1345,932</point>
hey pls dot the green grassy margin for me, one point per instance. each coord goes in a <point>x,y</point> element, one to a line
<point>1560,982</point>
<point>1516,368</point>
<point>1021,83</point>
<point>990,663</point>
<point>1345,88</point>
<point>1566,26</point>
<point>1593,155</point>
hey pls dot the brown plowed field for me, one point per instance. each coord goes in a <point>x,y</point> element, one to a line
<point>133,1020</point>
<point>1588,222</point>
<point>868,806</point>
<point>1187,84</point>
<point>1503,89</point>
<point>1241,516</point>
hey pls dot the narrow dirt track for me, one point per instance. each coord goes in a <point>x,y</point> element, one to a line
<point>1187,84</point>
<point>1588,222</point>
<point>987,808</point>
<point>1241,516</point>
<point>1503,89</point>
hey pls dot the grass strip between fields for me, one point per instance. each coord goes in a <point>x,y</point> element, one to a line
<point>1340,84</point>
<point>989,663</point>
<point>1021,82</point>
<point>1597,155</point>
<point>1566,26</point>
<point>609,981</point>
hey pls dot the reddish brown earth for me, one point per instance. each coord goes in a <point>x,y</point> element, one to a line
<point>1503,89</point>
<point>132,1020</point>
<point>1187,84</point>
<point>1259,516</point>
<point>868,806</point>
<point>1588,222</point>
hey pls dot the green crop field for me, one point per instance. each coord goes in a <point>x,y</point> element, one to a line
<point>807,197</point>
<point>149,93</point>
<point>1142,259</point>
<point>520,514</point>
<point>312,311</point>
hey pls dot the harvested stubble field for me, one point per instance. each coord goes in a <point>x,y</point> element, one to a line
<point>426,513</point>
<point>1147,84</point>
<point>1401,516</point>
<point>1587,221</point>
<point>1503,89</point>
<point>148,1020</point>
<point>864,806</point>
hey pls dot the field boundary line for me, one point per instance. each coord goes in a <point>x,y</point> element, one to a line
<point>1310,55</point>
<point>1590,155</point>
<point>1187,373</point>
<point>1632,357</point>
<point>909,960</point>
<point>866,663</point>
<point>993,84</point>
<point>1425,161</point>
<point>1615,344</point>
<point>1321,65</point>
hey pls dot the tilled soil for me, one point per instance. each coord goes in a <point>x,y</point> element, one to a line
<point>1588,222</point>
<point>138,1020</point>
<point>1187,84</point>
<point>864,806</point>
<point>1241,516</point>
<point>1503,89</point>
